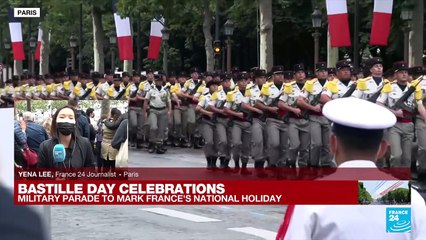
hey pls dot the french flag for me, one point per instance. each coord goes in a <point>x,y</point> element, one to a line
<point>38,49</point>
<point>124,35</point>
<point>381,22</point>
<point>155,38</point>
<point>15,28</point>
<point>338,24</point>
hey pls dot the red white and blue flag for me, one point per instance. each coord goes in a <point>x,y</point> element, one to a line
<point>15,28</point>
<point>124,35</point>
<point>338,24</point>
<point>380,28</point>
<point>155,39</point>
<point>38,49</point>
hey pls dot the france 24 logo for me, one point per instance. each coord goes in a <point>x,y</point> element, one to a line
<point>398,220</point>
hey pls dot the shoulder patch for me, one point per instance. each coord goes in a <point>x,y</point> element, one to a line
<point>230,96</point>
<point>387,88</point>
<point>288,88</point>
<point>361,84</point>
<point>309,85</point>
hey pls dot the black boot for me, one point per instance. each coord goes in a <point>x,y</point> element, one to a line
<point>224,164</point>
<point>151,148</point>
<point>213,163</point>
<point>244,170</point>
<point>169,141</point>
<point>237,166</point>
<point>196,143</point>
<point>209,163</point>
<point>161,148</point>
<point>259,168</point>
<point>176,142</point>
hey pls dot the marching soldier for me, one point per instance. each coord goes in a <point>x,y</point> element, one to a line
<point>309,100</point>
<point>221,120</point>
<point>158,100</point>
<point>258,142</point>
<point>241,129</point>
<point>276,129</point>
<point>117,91</point>
<point>190,88</point>
<point>369,88</point>
<point>207,125</point>
<point>298,130</point>
<point>402,133</point>
<point>143,89</point>
<point>40,90</point>
<point>106,82</point>
<point>30,89</point>
<point>180,113</point>
<point>71,83</point>
<point>340,86</point>
<point>135,112</point>
<point>83,90</point>
<point>288,76</point>
<point>331,74</point>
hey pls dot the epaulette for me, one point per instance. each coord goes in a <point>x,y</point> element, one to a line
<point>230,96</point>
<point>93,93</point>
<point>309,85</point>
<point>39,88</point>
<point>361,84</point>
<point>67,85</point>
<point>288,87</point>
<point>387,88</point>
<point>214,95</point>
<point>77,90</point>
<point>110,92</point>
<point>332,86</point>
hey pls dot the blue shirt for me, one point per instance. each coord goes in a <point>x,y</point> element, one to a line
<point>20,136</point>
<point>36,134</point>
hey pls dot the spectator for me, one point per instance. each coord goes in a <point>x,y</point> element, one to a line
<point>47,124</point>
<point>18,222</point>
<point>90,115</point>
<point>83,124</point>
<point>20,141</point>
<point>120,135</point>
<point>99,138</point>
<point>108,153</point>
<point>64,131</point>
<point>36,133</point>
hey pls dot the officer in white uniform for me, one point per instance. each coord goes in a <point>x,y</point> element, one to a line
<point>357,134</point>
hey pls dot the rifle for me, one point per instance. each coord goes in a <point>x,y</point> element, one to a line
<point>134,93</point>
<point>315,101</point>
<point>376,95</point>
<point>120,95</point>
<point>89,90</point>
<point>286,117</point>
<point>273,104</point>
<point>350,91</point>
<point>194,90</point>
<point>215,115</point>
<point>400,104</point>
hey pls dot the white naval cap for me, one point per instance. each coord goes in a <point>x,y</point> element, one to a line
<point>357,113</point>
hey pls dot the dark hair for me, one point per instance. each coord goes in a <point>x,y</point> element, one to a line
<point>115,113</point>
<point>54,129</point>
<point>73,103</point>
<point>358,140</point>
<point>89,111</point>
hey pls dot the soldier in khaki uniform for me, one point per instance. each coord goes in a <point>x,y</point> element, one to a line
<point>402,133</point>
<point>339,86</point>
<point>258,142</point>
<point>309,100</point>
<point>277,130</point>
<point>84,90</point>
<point>222,128</point>
<point>104,83</point>
<point>368,87</point>
<point>160,108</point>
<point>190,88</point>
<point>135,111</point>
<point>40,91</point>
<point>241,129</point>
<point>143,89</point>
<point>298,126</point>
<point>180,114</point>
<point>118,90</point>
<point>71,83</point>
<point>420,127</point>
<point>207,126</point>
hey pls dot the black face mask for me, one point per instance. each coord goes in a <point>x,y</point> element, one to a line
<point>66,128</point>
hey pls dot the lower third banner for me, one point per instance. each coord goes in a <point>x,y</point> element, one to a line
<point>225,192</point>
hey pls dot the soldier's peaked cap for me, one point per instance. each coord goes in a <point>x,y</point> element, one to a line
<point>299,67</point>
<point>277,69</point>
<point>400,66</point>
<point>374,61</point>
<point>342,64</point>
<point>320,66</point>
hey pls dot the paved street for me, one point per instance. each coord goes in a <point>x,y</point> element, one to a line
<point>166,222</point>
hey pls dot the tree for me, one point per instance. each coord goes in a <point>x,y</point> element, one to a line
<point>266,36</point>
<point>208,39</point>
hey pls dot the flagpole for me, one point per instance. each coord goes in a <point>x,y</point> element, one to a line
<point>356,33</point>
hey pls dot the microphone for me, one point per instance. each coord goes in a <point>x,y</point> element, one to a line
<point>59,154</point>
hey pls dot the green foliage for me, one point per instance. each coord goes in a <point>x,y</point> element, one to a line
<point>363,195</point>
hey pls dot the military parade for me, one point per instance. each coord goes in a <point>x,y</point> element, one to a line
<point>273,118</point>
